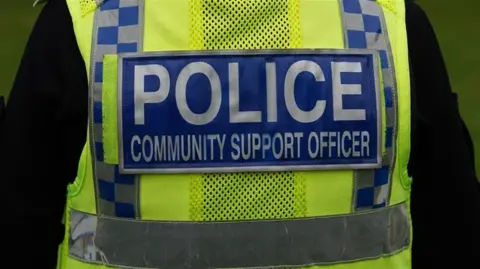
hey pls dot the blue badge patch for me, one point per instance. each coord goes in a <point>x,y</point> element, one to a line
<point>181,112</point>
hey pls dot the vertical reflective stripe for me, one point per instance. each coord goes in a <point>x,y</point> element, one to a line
<point>118,28</point>
<point>365,28</point>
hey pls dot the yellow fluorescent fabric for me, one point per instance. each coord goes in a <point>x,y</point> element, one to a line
<point>320,27</point>
<point>340,189</point>
<point>224,24</point>
<point>81,193</point>
<point>240,25</point>
<point>167,197</point>
<point>391,5</point>
<point>166,29</point>
<point>166,25</point>
<point>109,109</point>
<point>177,25</point>
<point>83,26</point>
<point>398,41</point>
<point>75,188</point>
<point>88,6</point>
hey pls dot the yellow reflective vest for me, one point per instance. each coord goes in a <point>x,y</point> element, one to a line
<point>124,212</point>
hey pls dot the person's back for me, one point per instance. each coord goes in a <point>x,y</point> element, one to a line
<point>249,158</point>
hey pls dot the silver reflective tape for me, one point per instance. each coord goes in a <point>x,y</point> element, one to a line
<point>272,243</point>
<point>132,3</point>
<point>98,132</point>
<point>97,94</point>
<point>129,37</point>
<point>354,20</point>
<point>375,41</point>
<point>124,194</point>
<point>102,50</point>
<point>370,7</point>
<point>390,118</point>
<point>393,115</point>
<point>109,18</point>
<point>387,78</point>
<point>129,34</point>
<point>380,194</point>
<point>105,172</point>
<point>82,231</point>
<point>106,207</point>
<point>388,155</point>
<point>365,179</point>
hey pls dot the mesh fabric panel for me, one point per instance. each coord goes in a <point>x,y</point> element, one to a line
<point>241,196</point>
<point>246,24</point>
<point>87,6</point>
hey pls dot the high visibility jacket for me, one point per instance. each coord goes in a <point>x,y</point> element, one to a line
<point>338,199</point>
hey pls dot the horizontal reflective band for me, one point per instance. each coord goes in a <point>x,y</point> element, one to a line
<point>295,242</point>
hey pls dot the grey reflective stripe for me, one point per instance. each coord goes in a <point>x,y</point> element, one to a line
<point>267,243</point>
<point>365,28</point>
<point>117,195</point>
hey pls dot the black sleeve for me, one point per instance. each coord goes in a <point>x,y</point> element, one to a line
<point>43,132</point>
<point>445,200</point>
<point>2,111</point>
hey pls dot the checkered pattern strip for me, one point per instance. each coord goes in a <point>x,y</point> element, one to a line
<point>118,29</point>
<point>365,28</point>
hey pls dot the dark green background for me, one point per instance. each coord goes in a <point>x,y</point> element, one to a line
<point>457,25</point>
